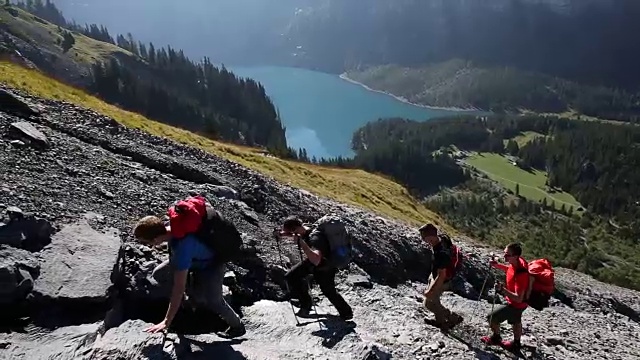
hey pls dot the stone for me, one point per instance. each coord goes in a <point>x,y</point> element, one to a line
<point>18,268</point>
<point>69,342</point>
<point>554,340</point>
<point>11,104</point>
<point>128,341</point>
<point>77,264</point>
<point>225,192</point>
<point>360,280</point>
<point>28,133</point>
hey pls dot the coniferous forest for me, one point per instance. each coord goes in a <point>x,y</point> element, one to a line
<point>164,84</point>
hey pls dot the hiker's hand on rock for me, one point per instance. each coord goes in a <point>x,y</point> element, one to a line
<point>493,262</point>
<point>157,327</point>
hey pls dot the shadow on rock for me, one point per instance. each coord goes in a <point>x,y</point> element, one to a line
<point>188,320</point>
<point>333,330</point>
<point>479,353</point>
<point>192,349</point>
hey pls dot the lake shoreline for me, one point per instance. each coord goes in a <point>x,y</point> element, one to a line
<point>344,77</point>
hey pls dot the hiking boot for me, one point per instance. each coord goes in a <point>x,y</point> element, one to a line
<point>491,340</point>
<point>346,317</point>
<point>232,332</point>
<point>304,312</point>
<point>511,345</point>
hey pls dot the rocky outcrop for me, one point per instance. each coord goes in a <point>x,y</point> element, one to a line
<point>83,288</point>
<point>24,131</point>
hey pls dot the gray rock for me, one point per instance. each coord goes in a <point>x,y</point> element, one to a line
<point>70,342</point>
<point>17,143</point>
<point>128,341</point>
<point>77,264</point>
<point>11,104</point>
<point>360,280</point>
<point>18,268</point>
<point>30,233</point>
<point>225,192</point>
<point>26,132</point>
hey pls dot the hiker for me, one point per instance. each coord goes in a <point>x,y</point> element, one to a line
<point>517,283</point>
<point>442,273</point>
<point>315,244</point>
<point>190,255</point>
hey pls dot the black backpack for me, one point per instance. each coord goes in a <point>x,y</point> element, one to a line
<point>341,250</point>
<point>221,235</point>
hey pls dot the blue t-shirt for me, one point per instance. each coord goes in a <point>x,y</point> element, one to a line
<point>189,252</point>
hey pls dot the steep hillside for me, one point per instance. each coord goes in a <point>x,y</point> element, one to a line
<point>24,35</point>
<point>351,186</point>
<point>162,83</point>
<point>464,84</point>
<point>77,286</point>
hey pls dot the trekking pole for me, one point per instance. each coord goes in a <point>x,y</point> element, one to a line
<point>493,303</point>
<point>313,303</point>
<point>286,284</point>
<point>484,284</point>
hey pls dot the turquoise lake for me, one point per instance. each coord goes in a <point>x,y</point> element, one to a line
<point>321,111</point>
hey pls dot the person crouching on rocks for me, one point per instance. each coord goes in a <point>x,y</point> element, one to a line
<point>440,279</point>
<point>186,254</point>
<point>517,283</point>
<point>315,246</point>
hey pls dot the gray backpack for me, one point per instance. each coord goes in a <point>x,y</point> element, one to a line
<point>339,239</point>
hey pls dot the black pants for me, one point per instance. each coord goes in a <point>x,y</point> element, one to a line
<point>326,279</point>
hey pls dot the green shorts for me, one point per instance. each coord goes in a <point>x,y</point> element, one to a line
<point>507,313</point>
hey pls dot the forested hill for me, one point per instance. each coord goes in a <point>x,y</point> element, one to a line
<point>588,41</point>
<point>595,162</point>
<point>464,84</point>
<point>158,82</point>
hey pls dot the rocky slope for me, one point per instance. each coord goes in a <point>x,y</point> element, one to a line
<point>75,284</point>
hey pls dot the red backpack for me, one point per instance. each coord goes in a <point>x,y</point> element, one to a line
<point>541,283</point>
<point>186,216</point>
<point>454,253</point>
<point>190,217</point>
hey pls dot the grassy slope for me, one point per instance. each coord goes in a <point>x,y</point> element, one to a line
<point>31,28</point>
<point>356,187</point>
<point>532,184</point>
<point>525,137</point>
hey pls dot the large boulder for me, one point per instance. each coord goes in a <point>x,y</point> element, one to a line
<point>77,264</point>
